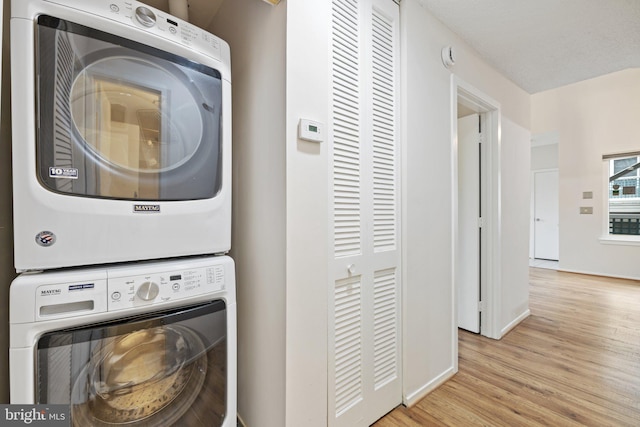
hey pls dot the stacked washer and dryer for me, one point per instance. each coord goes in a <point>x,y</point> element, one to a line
<point>125,305</point>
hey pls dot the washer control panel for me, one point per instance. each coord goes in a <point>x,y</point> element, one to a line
<point>133,291</point>
<point>93,291</point>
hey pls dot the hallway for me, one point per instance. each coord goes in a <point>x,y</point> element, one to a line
<point>574,362</point>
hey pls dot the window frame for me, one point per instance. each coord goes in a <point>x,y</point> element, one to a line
<point>608,168</point>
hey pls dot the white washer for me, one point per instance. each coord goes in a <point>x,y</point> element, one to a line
<point>121,134</point>
<point>148,344</point>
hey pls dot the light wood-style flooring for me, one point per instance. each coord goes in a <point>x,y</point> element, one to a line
<point>574,362</point>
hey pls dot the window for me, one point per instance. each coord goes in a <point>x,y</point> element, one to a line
<point>624,194</point>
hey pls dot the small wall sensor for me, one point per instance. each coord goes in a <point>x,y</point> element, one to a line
<point>448,56</point>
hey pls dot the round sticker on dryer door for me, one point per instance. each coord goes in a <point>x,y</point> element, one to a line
<point>45,238</point>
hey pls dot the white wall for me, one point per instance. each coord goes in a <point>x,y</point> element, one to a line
<point>427,247</point>
<point>593,117</point>
<point>280,69</point>
<point>516,196</point>
<point>429,328</point>
<point>307,215</point>
<point>255,32</point>
<point>544,157</point>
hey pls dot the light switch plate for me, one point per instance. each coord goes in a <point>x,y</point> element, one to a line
<point>587,195</point>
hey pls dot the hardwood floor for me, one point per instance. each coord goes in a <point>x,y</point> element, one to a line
<point>574,362</point>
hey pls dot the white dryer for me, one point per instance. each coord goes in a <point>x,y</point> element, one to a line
<point>121,134</point>
<point>152,344</point>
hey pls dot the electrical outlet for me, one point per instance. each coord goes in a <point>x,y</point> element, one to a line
<point>586,210</point>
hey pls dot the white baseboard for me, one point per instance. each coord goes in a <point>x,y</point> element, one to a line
<point>591,273</point>
<point>515,322</point>
<point>412,398</point>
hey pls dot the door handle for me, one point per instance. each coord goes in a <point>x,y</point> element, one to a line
<point>538,219</point>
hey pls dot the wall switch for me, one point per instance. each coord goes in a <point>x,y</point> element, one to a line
<point>587,195</point>
<point>586,210</point>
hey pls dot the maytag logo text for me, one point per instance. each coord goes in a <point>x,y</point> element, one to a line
<point>146,208</point>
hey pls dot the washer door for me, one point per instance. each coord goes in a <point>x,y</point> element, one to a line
<point>123,120</point>
<point>148,372</point>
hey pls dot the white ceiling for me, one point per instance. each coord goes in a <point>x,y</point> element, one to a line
<point>538,44</point>
<point>544,44</point>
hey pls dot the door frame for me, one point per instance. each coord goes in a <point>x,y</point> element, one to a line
<point>490,110</point>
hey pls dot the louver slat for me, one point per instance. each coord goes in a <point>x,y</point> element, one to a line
<point>345,98</point>
<point>384,138</point>
<point>385,327</point>
<point>346,129</point>
<point>348,344</point>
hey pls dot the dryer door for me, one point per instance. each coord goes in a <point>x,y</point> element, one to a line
<point>150,371</point>
<point>123,120</point>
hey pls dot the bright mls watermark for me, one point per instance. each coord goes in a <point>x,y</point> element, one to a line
<point>35,415</point>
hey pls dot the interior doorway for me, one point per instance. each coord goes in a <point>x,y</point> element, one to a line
<point>544,241</point>
<point>545,215</point>
<point>484,237</point>
<point>470,183</point>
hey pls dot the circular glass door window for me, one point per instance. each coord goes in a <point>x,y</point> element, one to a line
<point>146,378</point>
<point>136,114</point>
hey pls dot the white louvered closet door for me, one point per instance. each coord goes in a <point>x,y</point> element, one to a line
<point>364,317</point>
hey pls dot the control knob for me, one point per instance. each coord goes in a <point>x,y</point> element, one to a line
<point>148,291</point>
<point>145,16</point>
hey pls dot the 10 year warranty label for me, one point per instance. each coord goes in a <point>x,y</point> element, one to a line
<point>69,173</point>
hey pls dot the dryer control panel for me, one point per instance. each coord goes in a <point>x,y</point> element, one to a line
<point>150,19</point>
